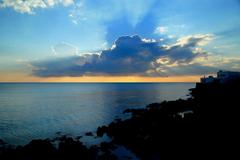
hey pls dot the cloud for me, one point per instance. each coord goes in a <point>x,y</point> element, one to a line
<point>195,40</point>
<point>28,6</point>
<point>161,30</point>
<point>133,55</point>
<point>65,49</point>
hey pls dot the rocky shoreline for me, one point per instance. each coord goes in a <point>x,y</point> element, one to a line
<point>203,126</point>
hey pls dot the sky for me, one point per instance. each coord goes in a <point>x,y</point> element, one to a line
<point>117,40</point>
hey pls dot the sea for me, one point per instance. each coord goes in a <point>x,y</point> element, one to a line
<point>44,110</point>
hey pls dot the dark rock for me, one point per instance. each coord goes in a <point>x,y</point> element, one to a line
<point>177,129</point>
<point>101,131</point>
<point>89,134</point>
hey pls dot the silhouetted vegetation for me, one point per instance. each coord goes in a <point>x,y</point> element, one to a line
<point>201,127</point>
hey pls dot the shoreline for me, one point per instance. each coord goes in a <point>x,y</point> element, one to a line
<point>164,130</point>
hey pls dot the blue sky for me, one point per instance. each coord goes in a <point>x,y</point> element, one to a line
<point>45,31</point>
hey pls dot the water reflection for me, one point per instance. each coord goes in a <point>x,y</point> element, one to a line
<point>30,111</point>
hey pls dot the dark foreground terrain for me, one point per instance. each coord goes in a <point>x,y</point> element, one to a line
<point>204,126</point>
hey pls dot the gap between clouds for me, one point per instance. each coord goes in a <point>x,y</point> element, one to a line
<point>107,10</point>
<point>133,55</point>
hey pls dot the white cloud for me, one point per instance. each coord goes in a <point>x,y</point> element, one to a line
<point>67,2</point>
<point>149,40</point>
<point>161,30</point>
<point>64,49</point>
<point>28,6</point>
<point>199,40</point>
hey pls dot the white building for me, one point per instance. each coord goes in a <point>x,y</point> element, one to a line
<point>222,77</point>
<point>225,76</point>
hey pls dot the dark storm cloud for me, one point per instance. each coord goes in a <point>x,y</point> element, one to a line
<point>130,55</point>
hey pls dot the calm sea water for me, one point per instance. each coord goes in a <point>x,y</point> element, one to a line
<point>40,110</point>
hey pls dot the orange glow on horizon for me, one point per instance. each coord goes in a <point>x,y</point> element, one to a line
<point>22,77</point>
